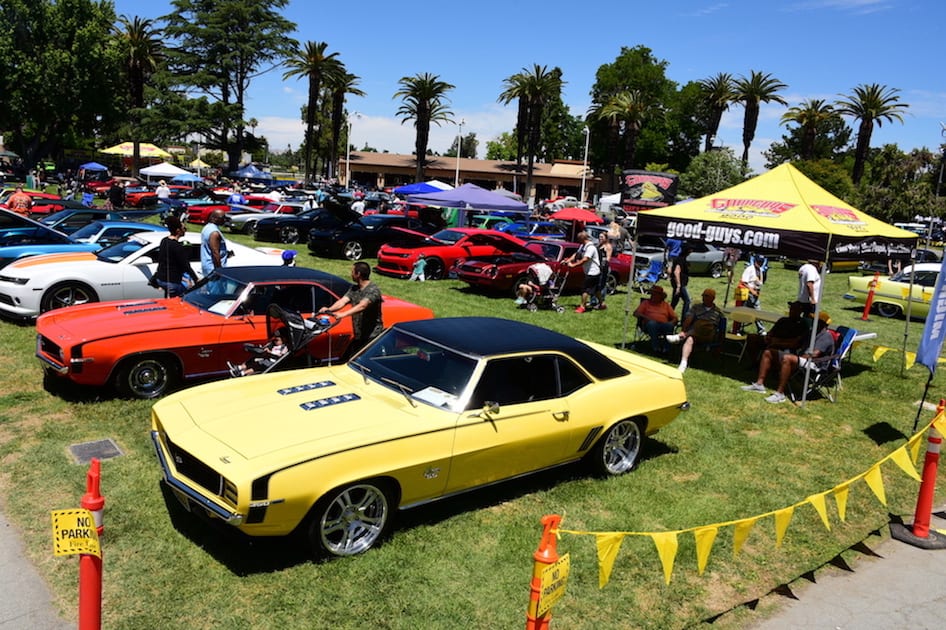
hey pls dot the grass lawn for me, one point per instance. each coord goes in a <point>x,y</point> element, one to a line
<point>467,561</point>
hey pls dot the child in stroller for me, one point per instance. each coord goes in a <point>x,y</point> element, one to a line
<point>263,357</point>
<point>541,289</point>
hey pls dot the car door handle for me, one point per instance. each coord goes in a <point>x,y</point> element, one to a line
<point>561,416</point>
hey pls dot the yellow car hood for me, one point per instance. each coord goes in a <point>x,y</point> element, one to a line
<point>312,412</point>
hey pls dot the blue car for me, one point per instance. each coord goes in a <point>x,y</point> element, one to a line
<point>533,230</point>
<point>90,238</point>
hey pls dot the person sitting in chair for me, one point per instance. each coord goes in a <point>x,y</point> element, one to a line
<point>790,360</point>
<point>656,319</point>
<point>701,325</point>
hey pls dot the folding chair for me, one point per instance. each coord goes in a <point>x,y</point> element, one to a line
<point>645,278</point>
<point>739,338</point>
<point>826,380</point>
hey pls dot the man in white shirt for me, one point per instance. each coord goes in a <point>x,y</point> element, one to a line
<point>809,285</point>
<point>162,191</point>
<point>587,257</point>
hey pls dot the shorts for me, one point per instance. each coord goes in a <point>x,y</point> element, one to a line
<point>590,284</point>
<point>803,362</point>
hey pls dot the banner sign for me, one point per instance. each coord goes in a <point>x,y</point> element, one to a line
<point>641,190</point>
<point>932,340</point>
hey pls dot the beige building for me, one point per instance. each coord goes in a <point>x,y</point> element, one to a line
<point>388,170</point>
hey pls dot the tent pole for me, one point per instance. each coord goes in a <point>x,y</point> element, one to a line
<point>814,322</point>
<point>906,314</point>
<point>630,289</point>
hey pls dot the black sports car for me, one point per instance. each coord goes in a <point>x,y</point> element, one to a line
<point>363,236</point>
<point>293,228</point>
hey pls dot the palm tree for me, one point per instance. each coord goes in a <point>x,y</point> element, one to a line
<point>869,104</point>
<point>810,115</point>
<point>514,90</point>
<point>534,89</point>
<point>758,88</point>
<point>628,109</point>
<point>423,97</point>
<point>340,86</point>
<point>718,94</point>
<point>312,62</point>
<point>143,51</point>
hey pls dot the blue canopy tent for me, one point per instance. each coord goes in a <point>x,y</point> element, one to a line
<point>187,178</point>
<point>252,172</point>
<point>468,197</point>
<point>419,188</point>
<point>93,166</point>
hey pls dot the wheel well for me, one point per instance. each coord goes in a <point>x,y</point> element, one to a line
<point>174,362</point>
<point>389,484</point>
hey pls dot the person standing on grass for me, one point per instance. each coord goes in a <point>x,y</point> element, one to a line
<point>751,281</point>
<point>809,285</point>
<point>587,257</point>
<point>679,278</point>
<point>605,251</point>
<point>20,202</point>
<point>363,303</point>
<point>213,247</point>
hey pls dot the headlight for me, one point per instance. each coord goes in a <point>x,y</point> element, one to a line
<point>14,280</point>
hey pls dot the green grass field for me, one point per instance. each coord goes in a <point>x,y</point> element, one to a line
<point>467,561</point>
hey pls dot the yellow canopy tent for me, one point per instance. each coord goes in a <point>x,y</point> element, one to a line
<point>145,150</point>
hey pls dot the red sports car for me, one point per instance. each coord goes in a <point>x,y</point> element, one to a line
<point>146,347</point>
<point>505,272</point>
<point>442,250</point>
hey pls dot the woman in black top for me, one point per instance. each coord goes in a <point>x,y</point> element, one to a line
<point>173,264</point>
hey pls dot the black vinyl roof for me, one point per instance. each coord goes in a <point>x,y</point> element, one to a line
<point>274,273</point>
<point>489,336</point>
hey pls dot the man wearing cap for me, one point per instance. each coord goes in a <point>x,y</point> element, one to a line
<point>656,318</point>
<point>789,361</point>
<point>701,325</point>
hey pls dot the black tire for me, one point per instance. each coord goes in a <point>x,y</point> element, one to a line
<point>146,377</point>
<point>67,294</point>
<point>887,310</point>
<point>521,280</point>
<point>351,520</point>
<point>611,283</point>
<point>289,234</point>
<point>716,270</point>
<point>618,449</point>
<point>353,250</point>
<point>249,228</point>
<point>434,269</point>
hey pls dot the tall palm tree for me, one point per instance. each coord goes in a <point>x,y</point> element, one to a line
<point>719,92</point>
<point>534,88</point>
<point>423,97</point>
<point>513,91</point>
<point>312,62</point>
<point>340,86</point>
<point>869,104</point>
<point>757,88</point>
<point>628,109</point>
<point>810,115</point>
<point>143,51</point>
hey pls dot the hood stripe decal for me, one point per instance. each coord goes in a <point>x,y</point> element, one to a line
<point>328,402</point>
<point>304,388</point>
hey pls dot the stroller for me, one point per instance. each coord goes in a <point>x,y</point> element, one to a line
<point>546,286</point>
<point>296,333</point>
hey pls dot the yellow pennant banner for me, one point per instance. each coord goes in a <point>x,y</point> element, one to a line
<point>609,543</point>
<point>909,358</point>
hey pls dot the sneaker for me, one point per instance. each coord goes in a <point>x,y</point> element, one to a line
<point>777,397</point>
<point>753,387</point>
<point>234,370</point>
<point>520,301</point>
<point>602,306</point>
<point>683,366</point>
<point>580,309</point>
<point>674,338</point>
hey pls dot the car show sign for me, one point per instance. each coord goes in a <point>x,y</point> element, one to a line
<point>74,533</point>
<point>554,580</point>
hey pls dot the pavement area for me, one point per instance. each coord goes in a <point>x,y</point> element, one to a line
<point>893,585</point>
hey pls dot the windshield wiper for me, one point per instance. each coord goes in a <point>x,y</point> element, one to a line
<point>401,388</point>
<point>361,368</point>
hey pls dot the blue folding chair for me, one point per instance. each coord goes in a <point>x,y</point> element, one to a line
<point>647,277</point>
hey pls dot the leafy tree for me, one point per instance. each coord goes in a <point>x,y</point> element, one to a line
<point>901,186</point>
<point>829,175</point>
<point>468,147</point>
<point>831,142</point>
<point>811,116</point>
<point>217,47</point>
<point>423,97</point>
<point>870,104</point>
<point>141,47</point>
<point>312,62</point>
<point>502,148</point>
<point>627,109</point>
<point>718,93</point>
<point>340,85</point>
<point>751,91</point>
<point>561,134</point>
<point>51,95</point>
<point>710,172</point>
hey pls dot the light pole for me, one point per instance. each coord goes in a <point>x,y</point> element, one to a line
<point>584,166</point>
<point>348,151</point>
<point>456,178</point>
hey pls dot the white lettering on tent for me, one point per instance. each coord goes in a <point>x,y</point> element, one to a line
<point>723,235</point>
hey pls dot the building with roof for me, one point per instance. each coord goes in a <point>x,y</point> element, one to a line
<point>561,178</point>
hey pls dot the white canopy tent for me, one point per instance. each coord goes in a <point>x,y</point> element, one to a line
<point>164,170</point>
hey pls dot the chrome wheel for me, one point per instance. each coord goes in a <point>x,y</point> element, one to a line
<point>146,378</point>
<point>716,270</point>
<point>351,520</point>
<point>67,294</point>
<point>353,250</point>
<point>618,450</point>
<point>289,234</point>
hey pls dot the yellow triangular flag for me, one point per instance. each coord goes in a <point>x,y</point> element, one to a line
<point>909,358</point>
<point>840,498</point>
<point>879,351</point>
<point>940,425</point>
<point>876,483</point>
<point>704,544</point>
<point>817,502</point>
<point>782,518</point>
<point>608,547</point>
<point>741,533</point>
<point>914,445</point>
<point>902,459</point>
<point>667,549</point>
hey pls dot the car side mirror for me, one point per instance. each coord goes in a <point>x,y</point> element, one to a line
<point>490,408</point>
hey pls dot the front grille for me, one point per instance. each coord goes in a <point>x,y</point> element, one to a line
<point>49,348</point>
<point>201,474</point>
<point>475,269</point>
<point>6,299</point>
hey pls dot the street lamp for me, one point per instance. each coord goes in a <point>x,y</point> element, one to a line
<point>348,151</point>
<point>584,165</point>
<point>456,178</point>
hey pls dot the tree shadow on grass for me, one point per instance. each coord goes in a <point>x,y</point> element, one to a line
<point>884,433</point>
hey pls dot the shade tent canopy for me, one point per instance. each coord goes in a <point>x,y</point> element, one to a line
<point>164,169</point>
<point>145,150</point>
<point>780,211</point>
<point>468,196</point>
<point>251,172</point>
<point>93,166</point>
<point>419,188</point>
<point>576,214</point>
<point>187,178</point>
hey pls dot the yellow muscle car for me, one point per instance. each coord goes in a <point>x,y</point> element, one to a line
<point>890,294</point>
<point>428,409</point>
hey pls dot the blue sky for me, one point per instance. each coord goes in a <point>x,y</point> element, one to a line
<point>819,48</point>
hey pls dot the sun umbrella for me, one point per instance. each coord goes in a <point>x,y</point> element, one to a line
<point>199,163</point>
<point>576,214</point>
<point>145,149</point>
